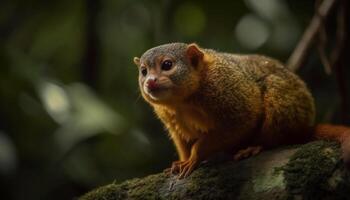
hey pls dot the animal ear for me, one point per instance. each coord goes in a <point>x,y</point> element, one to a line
<point>195,55</point>
<point>137,61</point>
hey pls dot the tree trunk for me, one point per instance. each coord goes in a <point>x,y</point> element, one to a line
<point>310,171</point>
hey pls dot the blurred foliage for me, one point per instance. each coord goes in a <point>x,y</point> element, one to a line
<point>71,116</point>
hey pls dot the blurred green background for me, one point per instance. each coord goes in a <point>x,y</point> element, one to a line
<point>71,116</point>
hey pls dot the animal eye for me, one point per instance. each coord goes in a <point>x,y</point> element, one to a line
<point>144,71</point>
<point>166,65</point>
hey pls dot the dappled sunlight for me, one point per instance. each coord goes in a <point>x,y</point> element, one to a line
<point>252,39</point>
<point>269,24</point>
<point>269,9</point>
<point>55,101</point>
<point>80,113</point>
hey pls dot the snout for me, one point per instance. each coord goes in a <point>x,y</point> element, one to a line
<point>152,84</point>
<point>157,88</point>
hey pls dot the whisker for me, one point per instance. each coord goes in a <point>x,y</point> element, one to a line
<point>138,97</point>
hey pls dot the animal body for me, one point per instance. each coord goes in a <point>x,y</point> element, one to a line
<point>219,102</point>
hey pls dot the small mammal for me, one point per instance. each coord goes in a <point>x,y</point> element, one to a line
<point>212,102</point>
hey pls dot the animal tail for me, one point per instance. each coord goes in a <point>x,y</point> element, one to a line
<point>336,133</point>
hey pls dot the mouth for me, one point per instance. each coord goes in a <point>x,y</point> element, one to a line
<point>158,93</point>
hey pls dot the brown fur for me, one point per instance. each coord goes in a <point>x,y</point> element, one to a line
<point>225,102</point>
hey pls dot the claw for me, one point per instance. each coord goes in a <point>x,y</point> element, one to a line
<point>183,168</point>
<point>248,152</point>
<point>167,170</point>
<point>174,169</point>
<point>187,168</point>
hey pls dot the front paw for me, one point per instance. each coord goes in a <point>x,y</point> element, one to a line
<point>175,167</point>
<point>182,168</point>
<point>187,167</point>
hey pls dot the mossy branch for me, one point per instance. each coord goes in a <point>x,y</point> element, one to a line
<point>310,171</point>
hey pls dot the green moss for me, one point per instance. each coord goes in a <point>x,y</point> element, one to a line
<point>108,192</point>
<point>309,169</point>
<point>312,171</point>
<point>145,188</point>
<point>208,182</point>
<point>264,183</point>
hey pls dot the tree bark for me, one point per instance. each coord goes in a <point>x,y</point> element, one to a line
<point>310,171</point>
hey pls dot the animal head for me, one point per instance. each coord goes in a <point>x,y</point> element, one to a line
<point>169,73</point>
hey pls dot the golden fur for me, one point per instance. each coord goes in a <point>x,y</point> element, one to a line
<point>225,102</point>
